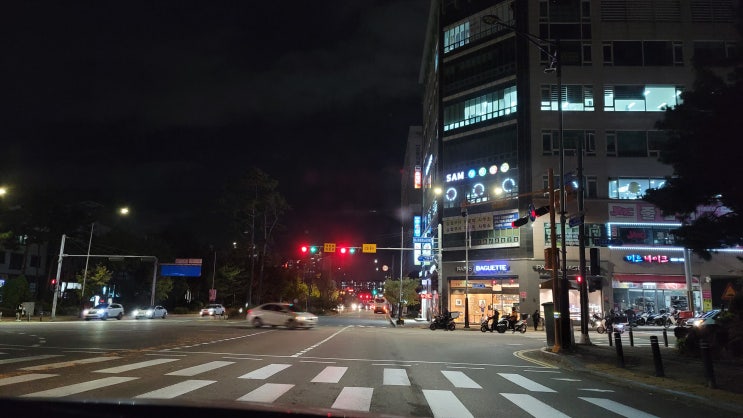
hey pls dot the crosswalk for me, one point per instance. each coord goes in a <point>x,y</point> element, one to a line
<point>447,392</point>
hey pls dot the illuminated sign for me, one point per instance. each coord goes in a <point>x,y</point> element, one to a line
<point>477,172</point>
<point>455,177</point>
<point>416,226</point>
<point>491,268</point>
<point>650,258</point>
<point>418,177</point>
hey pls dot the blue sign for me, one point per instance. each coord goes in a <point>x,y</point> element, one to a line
<point>478,286</point>
<point>426,258</point>
<point>180,270</point>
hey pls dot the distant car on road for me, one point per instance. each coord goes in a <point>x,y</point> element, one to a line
<point>278,314</point>
<point>150,312</point>
<point>104,311</point>
<point>380,305</point>
<point>213,309</point>
<point>708,318</point>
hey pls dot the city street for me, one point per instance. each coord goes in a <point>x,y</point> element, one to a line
<point>355,362</point>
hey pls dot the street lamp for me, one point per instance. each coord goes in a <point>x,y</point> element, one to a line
<point>554,66</point>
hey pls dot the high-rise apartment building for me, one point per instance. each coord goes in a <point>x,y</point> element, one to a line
<point>491,134</point>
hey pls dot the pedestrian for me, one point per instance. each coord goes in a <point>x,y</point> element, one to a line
<point>536,318</point>
<point>19,312</point>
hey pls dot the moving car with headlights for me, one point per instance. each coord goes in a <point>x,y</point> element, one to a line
<point>104,311</point>
<point>707,319</point>
<point>212,310</point>
<point>150,312</point>
<point>381,305</point>
<point>278,314</point>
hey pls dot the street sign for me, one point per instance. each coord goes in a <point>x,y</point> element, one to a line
<point>426,258</point>
<point>478,285</point>
<point>329,247</point>
<point>368,248</point>
<point>729,293</point>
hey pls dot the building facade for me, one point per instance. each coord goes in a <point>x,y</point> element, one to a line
<point>491,135</point>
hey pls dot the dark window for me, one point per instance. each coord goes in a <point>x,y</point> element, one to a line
<point>35,261</point>
<point>632,144</point>
<point>16,261</point>
<point>628,53</point>
<point>2,257</point>
<point>658,52</point>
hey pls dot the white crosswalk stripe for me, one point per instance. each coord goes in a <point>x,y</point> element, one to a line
<point>533,406</point>
<point>29,358</point>
<point>70,363</point>
<point>460,380</point>
<point>525,383</point>
<point>24,378</point>
<point>330,374</point>
<point>354,399</point>
<point>267,393</point>
<point>135,366</point>
<point>618,408</point>
<point>395,377</point>
<point>265,372</point>
<point>444,404</point>
<point>79,387</point>
<point>202,368</point>
<point>178,389</point>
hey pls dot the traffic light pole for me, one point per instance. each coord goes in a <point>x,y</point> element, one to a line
<point>554,261</point>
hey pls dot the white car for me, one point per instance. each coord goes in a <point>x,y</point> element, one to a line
<point>278,314</point>
<point>104,311</point>
<point>150,312</point>
<point>213,309</point>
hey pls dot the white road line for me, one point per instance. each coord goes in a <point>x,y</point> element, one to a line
<point>80,387</point>
<point>396,377</point>
<point>444,404</point>
<point>24,378</point>
<point>533,406</point>
<point>29,358</point>
<point>618,408</point>
<point>265,372</point>
<point>460,380</point>
<point>321,342</point>
<point>525,383</point>
<point>134,366</point>
<point>70,363</point>
<point>267,393</point>
<point>193,371</point>
<point>178,389</point>
<point>354,399</point>
<point>330,374</point>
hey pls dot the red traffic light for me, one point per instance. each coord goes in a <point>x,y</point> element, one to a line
<point>520,222</point>
<point>343,250</point>
<point>579,279</point>
<point>304,249</point>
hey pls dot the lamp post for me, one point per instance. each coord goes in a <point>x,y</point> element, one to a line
<point>555,65</point>
<point>466,215</point>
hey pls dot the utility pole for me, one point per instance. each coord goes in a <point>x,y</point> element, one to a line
<point>59,274</point>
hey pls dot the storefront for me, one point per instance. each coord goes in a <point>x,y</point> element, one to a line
<point>653,292</point>
<point>483,294</point>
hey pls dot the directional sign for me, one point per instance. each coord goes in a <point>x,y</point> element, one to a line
<point>368,248</point>
<point>329,247</point>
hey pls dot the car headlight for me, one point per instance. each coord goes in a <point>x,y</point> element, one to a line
<point>698,322</point>
<point>149,312</point>
<point>85,311</point>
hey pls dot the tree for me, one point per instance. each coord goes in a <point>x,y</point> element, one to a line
<point>15,291</point>
<point>703,149</point>
<point>97,277</point>
<point>163,287</point>
<point>409,294</point>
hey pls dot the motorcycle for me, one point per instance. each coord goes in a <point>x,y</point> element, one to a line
<point>610,324</point>
<point>445,322</point>
<point>503,325</point>
<point>488,323</point>
<point>596,321</point>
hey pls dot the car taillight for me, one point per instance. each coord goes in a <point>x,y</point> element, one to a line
<point>250,311</point>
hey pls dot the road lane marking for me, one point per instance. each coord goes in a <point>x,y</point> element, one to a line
<point>70,363</point>
<point>525,383</point>
<point>533,406</point>
<point>460,380</point>
<point>330,374</point>
<point>396,377</point>
<point>354,399</point>
<point>464,367</point>
<point>444,404</point>
<point>193,371</point>
<point>29,358</point>
<point>618,408</point>
<point>321,342</point>
<point>265,372</point>
<point>24,378</point>
<point>267,393</point>
<point>80,387</point>
<point>520,354</point>
<point>178,389</point>
<point>134,366</point>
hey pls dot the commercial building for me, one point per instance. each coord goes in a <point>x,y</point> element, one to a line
<point>491,134</point>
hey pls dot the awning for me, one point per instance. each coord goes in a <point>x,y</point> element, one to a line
<point>653,278</point>
<point>547,284</point>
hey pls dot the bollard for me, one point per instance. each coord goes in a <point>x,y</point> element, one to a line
<point>631,337</point>
<point>620,352</point>
<point>611,344</point>
<point>41,315</point>
<point>665,337</point>
<point>709,372</point>
<point>656,356</point>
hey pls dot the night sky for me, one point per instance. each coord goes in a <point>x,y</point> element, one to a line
<point>158,104</point>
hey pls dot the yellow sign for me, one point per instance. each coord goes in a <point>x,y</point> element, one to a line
<point>729,292</point>
<point>368,248</point>
<point>329,247</point>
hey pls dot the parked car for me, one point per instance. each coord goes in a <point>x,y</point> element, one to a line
<point>213,309</point>
<point>150,312</point>
<point>104,311</point>
<point>277,314</point>
<point>708,318</point>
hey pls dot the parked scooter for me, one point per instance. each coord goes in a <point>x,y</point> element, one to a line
<point>444,321</point>
<point>488,323</point>
<point>596,321</point>
<point>503,325</point>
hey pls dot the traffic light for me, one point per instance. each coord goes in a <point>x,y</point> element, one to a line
<point>594,284</point>
<point>304,249</point>
<point>520,222</point>
<point>54,282</point>
<point>579,280</point>
<point>534,213</point>
<point>343,250</point>
<point>352,250</point>
<point>374,292</point>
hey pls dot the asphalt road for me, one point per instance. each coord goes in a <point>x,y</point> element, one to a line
<point>355,363</point>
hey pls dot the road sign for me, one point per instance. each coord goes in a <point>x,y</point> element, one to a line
<point>729,292</point>
<point>368,248</point>
<point>426,258</point>
<point>329,247</point>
